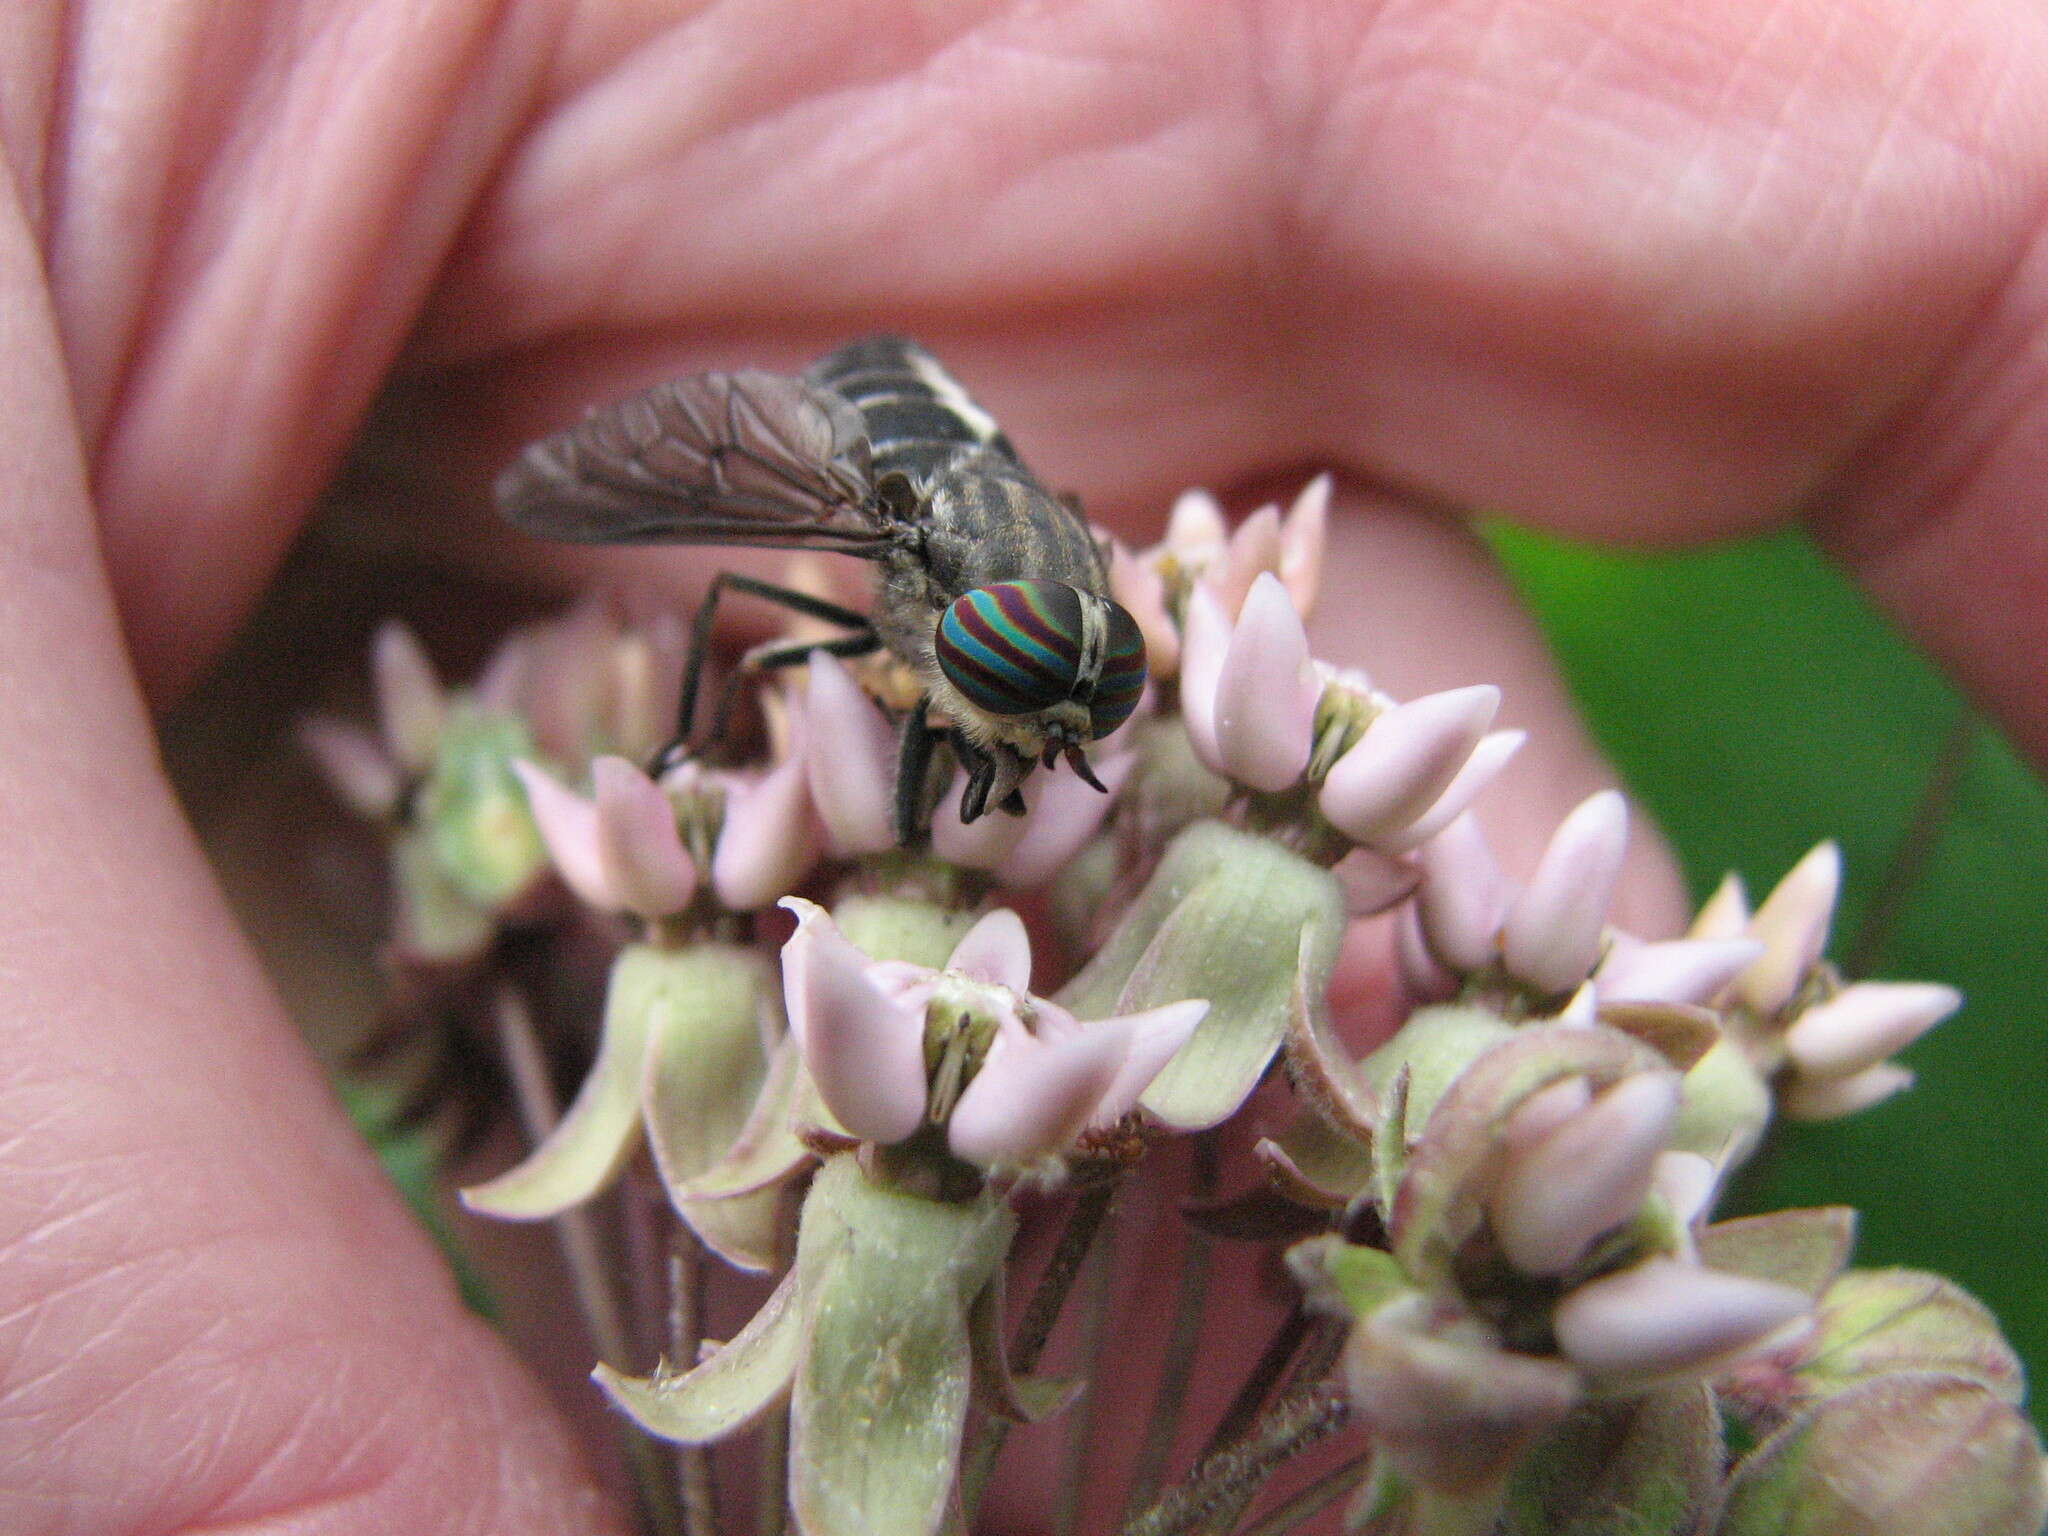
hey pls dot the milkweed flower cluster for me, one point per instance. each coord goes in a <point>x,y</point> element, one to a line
<point>1501,1219</point>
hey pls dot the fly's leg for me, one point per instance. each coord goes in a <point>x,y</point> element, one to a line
<point>862,641</point>
<point>913,768</point>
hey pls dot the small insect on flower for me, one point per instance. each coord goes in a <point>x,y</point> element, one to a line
<point>990,589</point>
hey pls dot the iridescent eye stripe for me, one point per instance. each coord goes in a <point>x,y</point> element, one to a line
<point>1005,645</point>
<point>1123,676</point>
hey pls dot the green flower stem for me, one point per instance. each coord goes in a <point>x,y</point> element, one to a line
<point>1295,1422</point>
<point>589,1275</point>
<point>685,1334</point>
<point>1041,1313</point>
<point>1259,1383</point>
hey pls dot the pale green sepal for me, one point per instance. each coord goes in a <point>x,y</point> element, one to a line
<point>734,1387</point>
<point>1804,1249</point>
<point>881,1394</point>
<point>704,1071</point>
<point>1436,1206</point>
<point>1435,1045</point>
<point>1346,1277</point>
<point>1232,918</point>
<point>1723,1108</point>
<point>474,810</point>
<point>1872,1322</point>
<point>434,921</point>
<point>586,1150</point>
<point>767,1148</point>
<point>901,928</point>
<point>1909,1454</point>
<point>1646,1466</point>
<point>997,1391</point>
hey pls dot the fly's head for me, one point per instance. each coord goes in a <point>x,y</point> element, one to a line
<point>1039,668</point>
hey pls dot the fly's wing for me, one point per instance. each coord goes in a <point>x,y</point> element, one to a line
<point>719,458</point>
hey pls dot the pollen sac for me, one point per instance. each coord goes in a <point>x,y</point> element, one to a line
<point>1016,647</point>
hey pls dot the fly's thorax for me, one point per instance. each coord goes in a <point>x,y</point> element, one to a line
<point>986,522</point>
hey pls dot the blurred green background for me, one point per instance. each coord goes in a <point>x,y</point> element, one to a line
<point>1756,705</point>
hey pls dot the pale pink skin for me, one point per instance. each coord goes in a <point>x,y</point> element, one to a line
<point>1624,277</point>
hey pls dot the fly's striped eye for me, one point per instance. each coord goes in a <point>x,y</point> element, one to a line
<point>1123,674</point>
<point>1013,647</point>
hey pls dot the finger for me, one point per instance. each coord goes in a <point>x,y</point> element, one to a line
<point>212,1310</point>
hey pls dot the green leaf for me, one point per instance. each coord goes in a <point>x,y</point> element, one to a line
<point>739,1383</point>
<point>1646,1466</point>
<point>882,1391</point>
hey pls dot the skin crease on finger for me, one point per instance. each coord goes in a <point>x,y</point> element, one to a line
<point>1630,270</point>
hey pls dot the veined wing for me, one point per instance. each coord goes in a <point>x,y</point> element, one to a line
<point>719,458</point>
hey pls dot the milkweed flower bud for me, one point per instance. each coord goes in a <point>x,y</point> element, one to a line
<point>1551,938</point>
<point>1583,1176</point>
<point>1405,761</point>
<point>1664,1316</point>
<point>854,785</point>
<point>1673,970</point>
<point>1863,1024</point>
<point>411,703</point>
<point>1792,925</point>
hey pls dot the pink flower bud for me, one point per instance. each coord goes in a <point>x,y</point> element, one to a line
<point>1832,1098</point>
<point>1205,641</point>
<point>1481,769</point>
<point>996,951</point>
<point>1423,977</point>
<point>1664,1316</point>
<point>1196,527</point>
<point>853,775</point>
<point>1792,925</point>
<point>1552,934</point>
<point>1462,897</point>
<point>1863,1024</point>
<point>1405,761</point>
<point>1253,551</point>
<point>1266,692</point>
<point>1303,537</point>
<point>410,702</point>
<point>1725,914</point>
<point>355,767</point>
<point>1587,1176</point>
<point>1673,970</point>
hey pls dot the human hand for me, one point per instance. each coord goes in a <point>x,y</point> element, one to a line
<point>1630,273</point>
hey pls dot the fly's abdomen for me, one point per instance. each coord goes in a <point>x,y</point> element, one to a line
<point>919,420</point>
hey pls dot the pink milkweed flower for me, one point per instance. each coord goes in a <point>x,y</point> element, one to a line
<point>1200,551</point>
<point>1061,812</point>
<point>1261,711</point>
<point>1014,1078</point>
<point>624,848</point>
